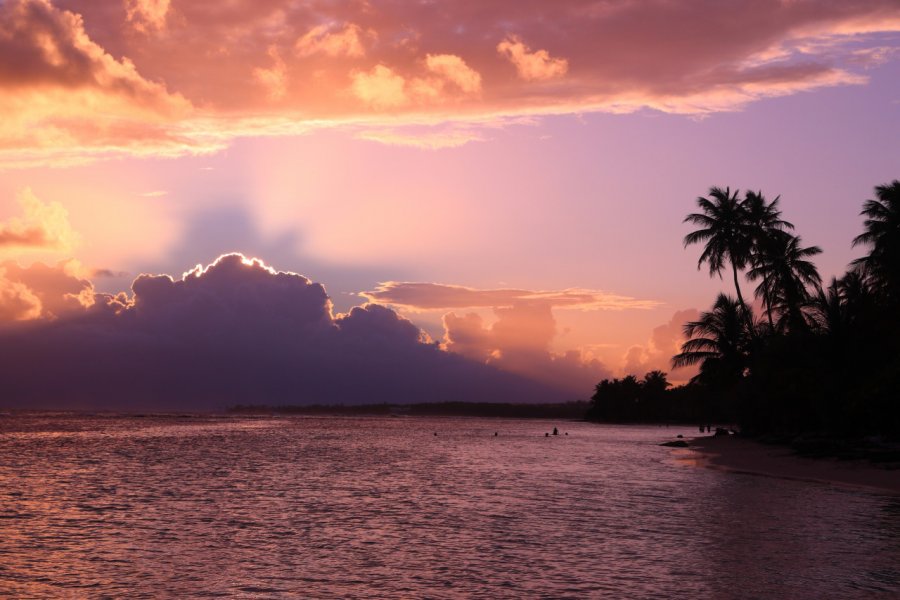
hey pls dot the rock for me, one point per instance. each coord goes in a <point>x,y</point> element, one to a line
<point>675,444</point>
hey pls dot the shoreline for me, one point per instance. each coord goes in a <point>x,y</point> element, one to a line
<point>740,455</point>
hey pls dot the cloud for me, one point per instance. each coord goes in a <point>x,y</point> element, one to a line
<point>194,85</point>
<point>519,342</point>
<point>433,296</point>
<point>234,331</point>
<point>325,39</point>
<point>380,87</point>
<point>147,15</point>
<point>274,78</point>
<point>454,69</point>
<point>432,138</point>
<point>43,226</point>
<point>383,88</point>
<point>43,292</point>
<point>664,343</point>
<point>17,302</point>
<point>531,66</point>
<point>60,90</point>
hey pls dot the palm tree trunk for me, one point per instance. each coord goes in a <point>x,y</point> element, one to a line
<point>740,296</point>
<point>768,302</point>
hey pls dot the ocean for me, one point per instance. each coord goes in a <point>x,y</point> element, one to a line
<point>403,507</point>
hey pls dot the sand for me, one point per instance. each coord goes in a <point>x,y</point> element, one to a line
<point>735,454</point>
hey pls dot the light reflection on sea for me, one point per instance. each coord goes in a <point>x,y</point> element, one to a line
<point>155,507</point>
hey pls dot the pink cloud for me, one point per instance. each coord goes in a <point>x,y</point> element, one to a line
<point>664,343</point>
<point>77,81</point>
<point>519,342</point>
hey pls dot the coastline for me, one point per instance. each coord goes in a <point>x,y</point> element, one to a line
<point>741,455</point>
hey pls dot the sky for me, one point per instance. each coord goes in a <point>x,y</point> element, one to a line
<point>497,186</point>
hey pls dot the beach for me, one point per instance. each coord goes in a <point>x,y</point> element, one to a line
<point>741,455</point>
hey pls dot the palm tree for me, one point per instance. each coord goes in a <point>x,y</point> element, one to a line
<point>786,273</point>
<point>765,224</point>
<point>725,231</point>
<point>882,234</point>
<point>829,312</point>
<point>656,381</point>
<point>719,340</point>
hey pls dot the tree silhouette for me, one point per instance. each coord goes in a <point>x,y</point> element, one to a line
<point>726,235</point>
<point>719,340</point>
<point>785,272</point>
<point>882,234</point>
<point>765,227</point>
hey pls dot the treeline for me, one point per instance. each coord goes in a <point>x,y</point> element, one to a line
<point>815,358</point>
<point>650,400</point>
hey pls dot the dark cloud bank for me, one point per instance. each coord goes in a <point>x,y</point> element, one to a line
<point>236,332</point>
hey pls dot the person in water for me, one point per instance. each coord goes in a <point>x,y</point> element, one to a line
<point>555,431</point>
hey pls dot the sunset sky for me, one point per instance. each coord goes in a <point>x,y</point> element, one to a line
<point>509,176</point>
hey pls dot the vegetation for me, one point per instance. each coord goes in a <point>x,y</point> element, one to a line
<point>823,360</point>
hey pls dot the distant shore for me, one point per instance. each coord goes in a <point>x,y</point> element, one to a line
<point>741,455</point>
<point>567,410</point>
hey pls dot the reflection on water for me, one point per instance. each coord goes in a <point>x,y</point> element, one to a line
<point>381,507</point>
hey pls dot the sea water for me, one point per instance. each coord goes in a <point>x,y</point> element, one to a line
<point>312,507</point>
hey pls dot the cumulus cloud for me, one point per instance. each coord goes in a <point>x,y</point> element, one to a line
<point>454,69</point>
<point>17,301</point>
<point>42,226</point>
<point>664,343</point>
<point>234,331</point>
<point>519,342</point>
<point>42,291</point>
<point>520,337</point>
<point>380,87</point>
<point>431,296</point>
<point>273,78</point>
<point>194,85</point>
<point>147,15</point>
<point>449,78</point>
<point>325,39</point>
<point>532,66</point>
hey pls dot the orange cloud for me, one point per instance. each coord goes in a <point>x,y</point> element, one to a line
<point>519,340</point>
<point>43,226</point>
<point>454,69</point>
<point>216,71</point>
<point>532,66</point>
<point>146,15</point>
<point>42,291</point>
<point>380,87</point>
<point>274,78</point>
<point>384,88</point>
<point>324,39</point>
<point>17,301</point>
<point>61,90</point>
<point>664,343</point>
